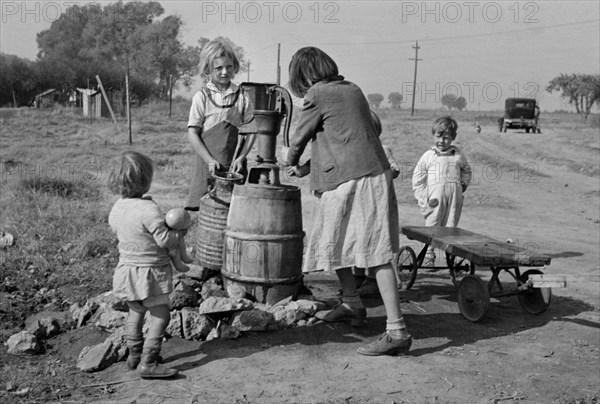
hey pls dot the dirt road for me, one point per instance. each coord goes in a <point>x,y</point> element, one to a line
<point>546,194</point>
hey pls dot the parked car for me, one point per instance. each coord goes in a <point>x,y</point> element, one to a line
<point>520,113</point>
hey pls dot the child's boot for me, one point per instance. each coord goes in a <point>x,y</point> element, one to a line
<point>135,343</point>
<point>149,368</point>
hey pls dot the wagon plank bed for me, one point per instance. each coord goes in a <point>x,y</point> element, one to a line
<point>465,251</point>
<point>477,248</point>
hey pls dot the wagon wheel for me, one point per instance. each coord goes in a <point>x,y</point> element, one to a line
<point>473,298</point>
<point>534,300</point>
<point>459,268</point>
<point>406,267</point>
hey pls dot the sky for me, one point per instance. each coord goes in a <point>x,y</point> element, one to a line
<point>485,51</point>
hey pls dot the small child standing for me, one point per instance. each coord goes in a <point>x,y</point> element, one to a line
<point>143,277</point>
<point>217,112</point>
<point>440,178</point>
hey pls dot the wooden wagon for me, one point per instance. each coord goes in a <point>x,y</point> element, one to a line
<point>465,251</point>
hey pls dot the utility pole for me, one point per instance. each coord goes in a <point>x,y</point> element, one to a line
<point>278,65</point>
<point>416,59</point>
<point>170,94</point>
<point>128,105</point>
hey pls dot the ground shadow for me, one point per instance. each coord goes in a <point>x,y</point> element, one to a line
<point>430,311</point>
<point>252,342</point>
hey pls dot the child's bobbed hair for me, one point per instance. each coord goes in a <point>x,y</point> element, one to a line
<point>443,124</point>
<point>217,48</point>
<point>131,176</point>
<point>309,66</point>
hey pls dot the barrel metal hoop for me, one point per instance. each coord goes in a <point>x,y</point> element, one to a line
<point>263,237</point>
<point>260,281</point>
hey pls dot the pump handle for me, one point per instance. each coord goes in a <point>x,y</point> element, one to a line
<point>287,111</point>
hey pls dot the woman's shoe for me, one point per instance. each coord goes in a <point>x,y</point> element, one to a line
<point>386,345</point>
<point>342,312</point>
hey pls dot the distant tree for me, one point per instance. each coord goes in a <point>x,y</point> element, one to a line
<point>165,58</point>
<point>452,101</point>
<point>461,103</point>
<point>448,100</point>
<point>395,99</point>
<point>582,90</point>
<point>375,100</point>
<point>17,81</point>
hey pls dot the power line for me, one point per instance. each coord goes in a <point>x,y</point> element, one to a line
<point>451,37</point>
<point>262,49</point>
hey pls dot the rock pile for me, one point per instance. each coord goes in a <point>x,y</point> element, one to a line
<point>200,310</point>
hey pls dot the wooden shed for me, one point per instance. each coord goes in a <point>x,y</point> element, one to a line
<point>94,105</point>
<point>46,99</point>
<point>91,102</point>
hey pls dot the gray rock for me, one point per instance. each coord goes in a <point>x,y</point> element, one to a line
<point>287,317</point>
<point>183,295</point>
<point>227,331</point>
<point>119,341</point>
<point>48,323</point>
<point>223,330</point>
<point>284,301</point>
<point>109,318</point>
<point>252,320</point>
<point>195,326</point>
<point>174,329</point>
<point>44,327</point>
<point>97,357</point>
<point>224,304</point>
<point>81,314</point>
<point>200,273</point>
<point>236,291</point>
<point>212,288</point>
<point>109,300</point>
<point>22,343</point>
<point>309,307</point>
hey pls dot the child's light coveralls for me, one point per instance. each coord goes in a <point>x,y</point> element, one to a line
<point>439,176</point>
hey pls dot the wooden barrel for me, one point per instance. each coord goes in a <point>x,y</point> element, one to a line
<point>264,241</point>
<point>212,220</point>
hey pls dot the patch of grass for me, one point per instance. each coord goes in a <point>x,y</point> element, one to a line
<point>60,227</point>
<point>57,187</point>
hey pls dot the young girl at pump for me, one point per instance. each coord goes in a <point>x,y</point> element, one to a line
<point>143,276</point>
<point>356,218</point>
<point>218,110</point>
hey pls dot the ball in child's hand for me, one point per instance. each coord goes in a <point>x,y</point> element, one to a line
<point>178,219</point>
<point>433,202</point>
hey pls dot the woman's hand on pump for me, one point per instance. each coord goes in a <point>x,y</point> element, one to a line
<point>298,170</point>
